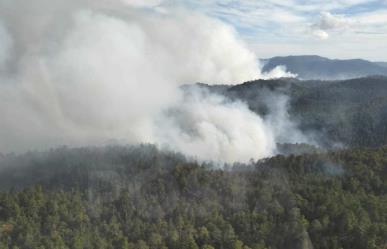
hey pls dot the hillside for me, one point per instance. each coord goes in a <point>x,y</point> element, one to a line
<point>350,113</point>
<point>316,67</point>
<point>141,198</point>
<point>383,64</point>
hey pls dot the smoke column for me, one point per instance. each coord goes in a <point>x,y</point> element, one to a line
<point>89,72</point>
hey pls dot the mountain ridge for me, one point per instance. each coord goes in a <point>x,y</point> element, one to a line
<point>349,112</point>
<point>314,67</point>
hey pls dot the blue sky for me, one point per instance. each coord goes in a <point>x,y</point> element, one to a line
<point>336,28</point>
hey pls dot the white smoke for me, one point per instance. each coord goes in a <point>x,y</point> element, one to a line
<point>279,120</point>
<point>5,46</point>
<point>87,72</point>
<point>213,128</point>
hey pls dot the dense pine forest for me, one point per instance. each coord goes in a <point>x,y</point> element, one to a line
<point>333,196</point>
<point>193,124</point>
<point>139,197</point>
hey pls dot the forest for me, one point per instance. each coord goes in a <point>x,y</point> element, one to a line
<point>327,196</point>
<point>193,124</point>
<point>349,113</point>
<point>142,198</point>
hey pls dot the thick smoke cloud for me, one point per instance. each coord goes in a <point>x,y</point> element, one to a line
<point>90,72</point>
<point>5,46</point>
<point>213,128</point>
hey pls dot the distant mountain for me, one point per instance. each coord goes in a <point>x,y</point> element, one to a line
<point>316,67</point>
<point>383,64</point>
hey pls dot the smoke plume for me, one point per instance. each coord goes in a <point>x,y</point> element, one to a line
<point>90,72</point>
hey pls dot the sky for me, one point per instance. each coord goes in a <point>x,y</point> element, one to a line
<point>340,29</point>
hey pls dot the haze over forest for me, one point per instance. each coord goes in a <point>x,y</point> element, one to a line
<point>158,124</point>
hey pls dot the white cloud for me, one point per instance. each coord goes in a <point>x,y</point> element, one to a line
<point>329,21</point>
<point>371,23</point>
<point>298,21</point>
<point>143,3</point>
<point>378,17</point>
<point>321,34</point>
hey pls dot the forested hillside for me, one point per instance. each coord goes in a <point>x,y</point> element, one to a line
<point>350,113</point>
<point>153,124</point>
<point>383,64</point>
<point>140,197</point>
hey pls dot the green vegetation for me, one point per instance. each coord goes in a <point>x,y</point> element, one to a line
<point>138,197</point>
<point>141,198</point>
<point>352,113</point>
